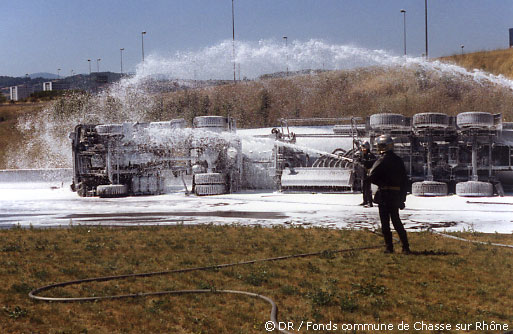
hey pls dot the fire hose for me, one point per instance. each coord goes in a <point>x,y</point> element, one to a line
<point>34,294</point>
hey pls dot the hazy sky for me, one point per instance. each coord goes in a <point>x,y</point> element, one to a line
<point>44,35</point>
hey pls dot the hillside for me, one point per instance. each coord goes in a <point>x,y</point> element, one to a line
<point>10,134</point>
<point>496,61</point>
<point>261,103</point>
<point>360,92</point>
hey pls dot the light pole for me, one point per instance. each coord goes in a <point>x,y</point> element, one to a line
<point>426,14</point>
<point>98,65</point>
<point>233,41</point>
<point>89,61</point>
<point>121,52</point>
<point>404,29</point>
<point>286,53</point>
<point>58,73</point>
<point>142,44</point>
<point>462,46</point>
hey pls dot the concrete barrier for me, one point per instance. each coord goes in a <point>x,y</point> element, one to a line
<point>36,175</point>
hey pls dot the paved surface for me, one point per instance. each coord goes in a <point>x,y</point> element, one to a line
<point>53,204</point>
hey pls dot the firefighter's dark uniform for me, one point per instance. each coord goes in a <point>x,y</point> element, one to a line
<point>389,174</point>
<point>366,160</point>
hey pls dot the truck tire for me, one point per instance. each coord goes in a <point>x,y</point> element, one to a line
<point>387,121</point>
<point>219,122</point>
<point>475,119</point>
<point>474,189</point>
<point>81,189</point>
<point>431,120</point>
<point>112,190</point>
<point>210,178</point>
<point>109,129</point>
<point>209,189</point>
<point>429,189</point>
<point>178,123</point>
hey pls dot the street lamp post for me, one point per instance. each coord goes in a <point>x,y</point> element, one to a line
<point>462,46</point>
<point>404,29</point>
<point>89,61</point>
<point>142,44</point>
<point>58,73</point>
<point>426,15</point>
<point>98,65</point>
<point>233,40</point>
<point>286,53</point>
<point>121,52</point>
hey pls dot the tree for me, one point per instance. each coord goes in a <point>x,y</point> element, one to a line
<point>264,107</point>
<point>205,105</point>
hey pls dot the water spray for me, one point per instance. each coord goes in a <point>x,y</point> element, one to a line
<point>131,100</point>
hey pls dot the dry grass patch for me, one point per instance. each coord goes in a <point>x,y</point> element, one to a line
<point>493,61</point>
<point>10,135</point>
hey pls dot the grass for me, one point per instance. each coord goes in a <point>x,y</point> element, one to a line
<point>492,61</point>
<point>446,281</point>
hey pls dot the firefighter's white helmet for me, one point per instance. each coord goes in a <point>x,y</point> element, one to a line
<point>385,143</point>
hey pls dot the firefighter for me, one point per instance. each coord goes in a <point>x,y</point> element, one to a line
<point>389,174</point>
<point>366,160</point>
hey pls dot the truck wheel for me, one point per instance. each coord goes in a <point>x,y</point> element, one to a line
<point>429,188</point>
<point>431,120</point>
<point>475,119</point>
<point>110,129</point>
<point>81,189</point>
<point>474,189</point>
<point>210,122</point>
<point>209,189</point>
<point>387,121</point>
<point>112,190</point>
<point>210,178</point>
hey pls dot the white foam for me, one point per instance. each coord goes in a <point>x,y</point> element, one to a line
<point>42,204</point>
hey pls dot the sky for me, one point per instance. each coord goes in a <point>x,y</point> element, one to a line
<point>44,36</point>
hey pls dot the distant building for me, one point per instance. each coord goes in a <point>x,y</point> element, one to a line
<point>88,83</point>
<point>55,85</point>
<point>102,78</point>
<point>47,86</point>
<point>19,92</point>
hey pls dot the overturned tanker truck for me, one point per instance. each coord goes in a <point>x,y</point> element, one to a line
<point>113,160</point>
<point>469,154</point>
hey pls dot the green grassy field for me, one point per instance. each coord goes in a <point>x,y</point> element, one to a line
<point>445,282</point>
